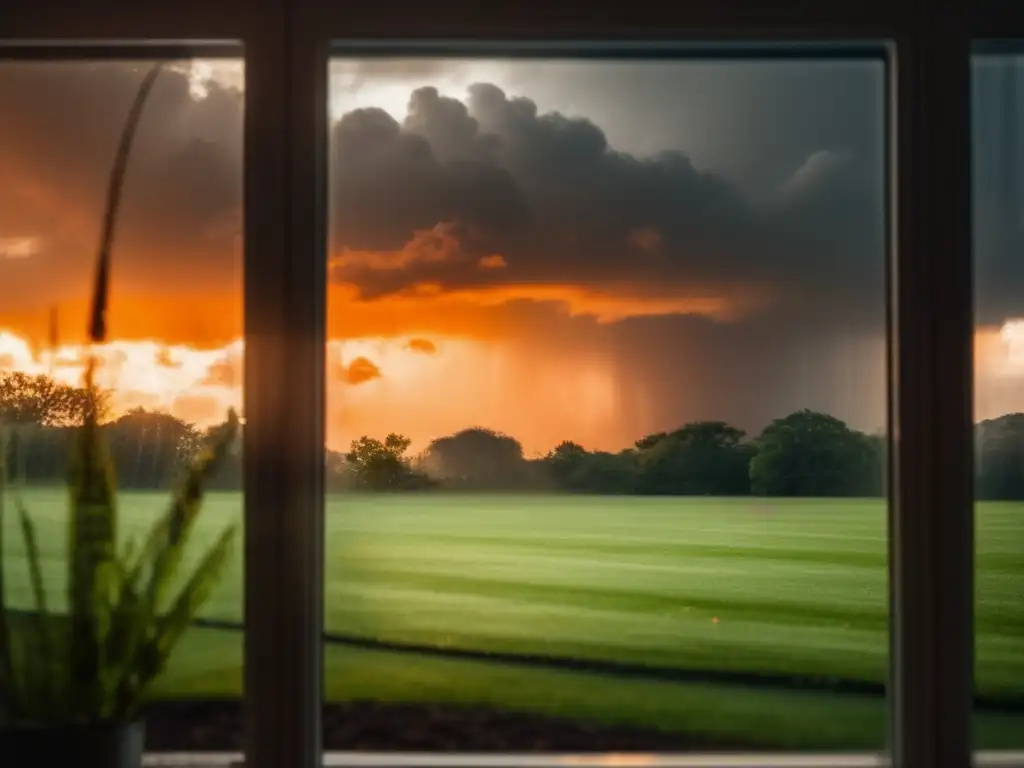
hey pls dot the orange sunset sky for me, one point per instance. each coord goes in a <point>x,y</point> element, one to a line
<point>532,247</point>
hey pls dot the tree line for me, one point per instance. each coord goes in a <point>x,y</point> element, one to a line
<point>805,453</point>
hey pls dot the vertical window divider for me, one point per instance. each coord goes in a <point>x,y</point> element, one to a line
<point>285,298</point>
<point>931,390</point>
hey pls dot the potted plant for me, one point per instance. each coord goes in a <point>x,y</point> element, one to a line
<point>73,678</point>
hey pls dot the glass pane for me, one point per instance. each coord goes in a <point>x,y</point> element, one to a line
<point>998,110</point>
<point>606,406</point>
<point>168,371</point>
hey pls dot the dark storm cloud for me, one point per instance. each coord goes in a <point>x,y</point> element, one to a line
<point>776,203</point>
<point>540,193</point>
<point>180,220</point>
<point>549,196</point>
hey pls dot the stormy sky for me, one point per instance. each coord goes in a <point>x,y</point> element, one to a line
<point>597,250</point>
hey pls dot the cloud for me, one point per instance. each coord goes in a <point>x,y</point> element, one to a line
<point>467,195</point>
<point>436,245</point>
<point>202,408</point>
<point>223,373</point>
<point>646,239</point>
<point>19,247</point>
<point>180,221</point>
<point>360,371</point>
<point>569,214</point>
<point>493,261</point>
<point>490,215</point>
<point>422,346</point>
<point>165,359</point>
<point>604,307</point>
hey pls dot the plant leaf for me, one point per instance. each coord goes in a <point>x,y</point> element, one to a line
<point>171,626</point>
<point>7,694</point>
<point>135,633</point>
<point>42,649</point>
<point>101,288</point>
<point>166,543</point>
<point>92,532</point>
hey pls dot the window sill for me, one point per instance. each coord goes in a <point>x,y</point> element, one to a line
<point>512,760</point>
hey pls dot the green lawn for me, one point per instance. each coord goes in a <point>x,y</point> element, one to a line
<point>795,586</point>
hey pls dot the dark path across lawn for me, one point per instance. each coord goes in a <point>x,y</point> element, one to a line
<point>1004,704</point>
<point>217,726</point>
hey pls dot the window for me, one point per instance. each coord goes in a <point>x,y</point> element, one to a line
<point>999,468</point>
<point>930,326</point>
<point>170,367</point>
<point>605,395</point>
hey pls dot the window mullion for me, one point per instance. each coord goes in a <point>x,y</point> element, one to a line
<point>285,319</point>
<point>931,335</point>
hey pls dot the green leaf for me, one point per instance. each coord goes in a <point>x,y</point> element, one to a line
<point>166,543</point>
<point>196,591</point>
<point>145,580</point>
<point>127,628</point>
<point>41,635</point>
<point>92,533</point>
<point>7,696</point>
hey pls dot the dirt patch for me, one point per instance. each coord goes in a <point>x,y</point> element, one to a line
<point>370,726</point>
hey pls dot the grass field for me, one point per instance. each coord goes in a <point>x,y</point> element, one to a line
<point>793,586</point>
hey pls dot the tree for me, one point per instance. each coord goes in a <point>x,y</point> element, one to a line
<point>999,466</point>
<point>382,465</point>
<point>42,411</point>
<point>649,441</point>
<point>150,448</point>
<point>340,474</point>
<point>229,474</point>
<point>563,464</point>
<point>603,472</point>
<point>705,458</point>
<point>41,401</point>
<point>814,454</point>
<point>477,458</point>
<point>570,467</point>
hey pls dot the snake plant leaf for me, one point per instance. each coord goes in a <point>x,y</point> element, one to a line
<point>42,633</point>
<point>196,592</point>
<point>7,703</point>
<point>148,578</point>
<point>94,665</point>
<point>101,287</point>
<point>93,520</point>
<point>126,634</point>
<point>171,626</point>
<point>92,533</point>
<point>171,534</point>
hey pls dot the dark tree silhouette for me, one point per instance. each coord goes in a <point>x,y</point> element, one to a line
<point>813,454</point>
<point>703,458</point>
<point>382,466</point>
<point>149,449</point>
<point>999,463</point>
<point>40,401</point>
<point>476,458</point>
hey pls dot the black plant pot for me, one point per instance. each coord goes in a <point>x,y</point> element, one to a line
<point>103,745</point>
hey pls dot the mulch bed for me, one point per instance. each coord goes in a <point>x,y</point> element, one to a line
<point>217,726</point>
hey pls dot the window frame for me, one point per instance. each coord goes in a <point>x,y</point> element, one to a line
<point>929,326</point>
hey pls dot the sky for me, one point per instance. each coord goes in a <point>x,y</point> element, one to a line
<point>557,250</point>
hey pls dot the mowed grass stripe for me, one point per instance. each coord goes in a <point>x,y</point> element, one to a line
<point>721,575</point>
<point>816,612</point>
<point>838,595</point>
<point>648,548</point>
<point>623,578</point>
<point>481,624</point>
